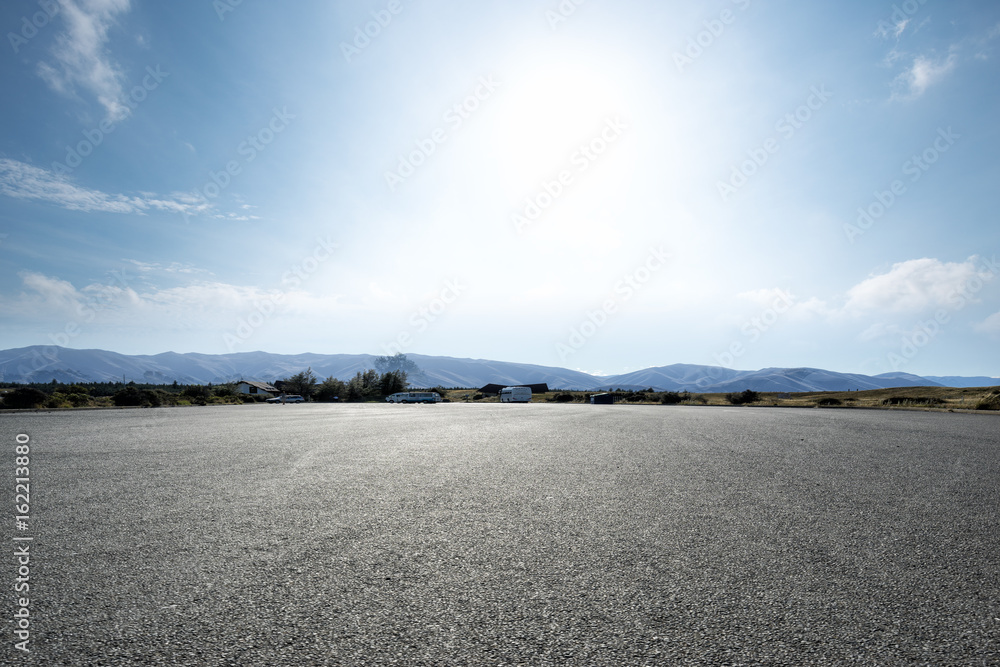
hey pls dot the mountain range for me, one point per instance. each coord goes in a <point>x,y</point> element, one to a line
<point>46,363</point>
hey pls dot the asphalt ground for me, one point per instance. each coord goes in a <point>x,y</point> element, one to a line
<point>458,534</point>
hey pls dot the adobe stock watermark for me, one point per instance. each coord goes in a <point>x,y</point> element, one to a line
<point>901,15</point>
<point>248,150</point>
<point>454,118</point>
<point>552,189</point>
<point>713,30</point>
<point>22,541</point>
<point>223,7</point>
<point>623,291</point>
<point>915,167</point>
<point>426,315</point>
<point>93,138</point>
<point>364,34</point>
<point>30,26</point>
<point>266,308</point>
<point>562,12</point>
<point>925,332</point>
<point>755,327</point>
<point>786,127</point>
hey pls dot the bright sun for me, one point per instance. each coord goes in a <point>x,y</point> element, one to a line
<point>546,115</point>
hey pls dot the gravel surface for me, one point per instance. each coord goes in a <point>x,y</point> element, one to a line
<point>459,534</point>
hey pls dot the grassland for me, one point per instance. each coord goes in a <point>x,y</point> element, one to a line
<point>905,398</point>
<point>925,398</point>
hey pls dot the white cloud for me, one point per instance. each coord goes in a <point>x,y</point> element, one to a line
<point>25,181</point>
<point>893,57</point>
<point>120,303</point>
<point>990,326</point>
<point>912,286</point>
<point>923,74</point>
<point>156,267</point>
<point>787,304</point>
<point>52,291</point>
<point>81,60</point>
<point>57,303</point>
<point>926,72</point>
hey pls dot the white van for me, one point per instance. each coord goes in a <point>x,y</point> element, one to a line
<point>414,397</point>
<point>515,395</point>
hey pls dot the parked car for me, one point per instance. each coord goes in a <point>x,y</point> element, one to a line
<point>290,398</point>
<point>414,397</point>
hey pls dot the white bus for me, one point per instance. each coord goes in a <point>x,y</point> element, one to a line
<point>515,395</point>
<point>414,397</point>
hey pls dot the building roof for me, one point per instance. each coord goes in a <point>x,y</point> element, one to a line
<point>264,386</point>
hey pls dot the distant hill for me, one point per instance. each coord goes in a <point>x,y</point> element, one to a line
<point>676,377</point>
<point>954,381</point>
<point>793,380</point>
<point>714,379</point>
<point>44,364</point>
<point>451,372</point>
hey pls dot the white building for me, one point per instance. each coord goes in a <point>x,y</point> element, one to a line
<point>261,388</point>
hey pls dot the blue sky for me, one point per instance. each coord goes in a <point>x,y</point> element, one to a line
<point>601,186</point>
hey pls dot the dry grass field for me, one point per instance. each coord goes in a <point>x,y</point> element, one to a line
<point>905,398</point>
<point>924,398</point>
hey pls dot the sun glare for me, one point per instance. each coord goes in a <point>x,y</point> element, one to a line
<point>547,114</point>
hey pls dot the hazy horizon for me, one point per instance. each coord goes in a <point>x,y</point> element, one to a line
<point>50,354</point>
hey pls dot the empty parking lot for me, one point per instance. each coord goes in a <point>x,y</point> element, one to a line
<point>510,534</point>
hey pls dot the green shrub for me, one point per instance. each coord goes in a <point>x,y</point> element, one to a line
<point>743,398</point>
<point>829,400</point>
<point>224,390</point>
<point>130,396</point>
<point>79,400</point>
<point>158,397</point>
<point>24,398</point>
<point>673,398</point>
<point>197,394</point>
<point>58,400</point>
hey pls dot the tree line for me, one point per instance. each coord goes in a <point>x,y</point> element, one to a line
<point>388,377</point>
<point>366,385</point>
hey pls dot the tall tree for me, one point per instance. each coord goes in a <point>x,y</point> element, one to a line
<point>397,362</point>
<point>393,382</point>
<point>331,389</point>
<point>301,383</point>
